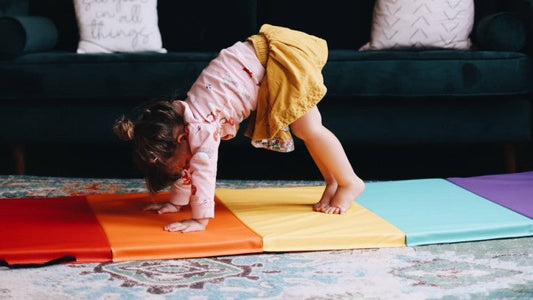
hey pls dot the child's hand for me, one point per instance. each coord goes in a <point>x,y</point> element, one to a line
<point>188,225</point>
<point>162,208</point>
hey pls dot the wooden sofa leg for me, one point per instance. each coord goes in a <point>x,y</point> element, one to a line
<point>510,158</point>
<point>18,158</point>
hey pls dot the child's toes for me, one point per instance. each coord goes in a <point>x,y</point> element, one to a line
<point>338,210</point>
<point>330,210</point>
<point>319,207</point>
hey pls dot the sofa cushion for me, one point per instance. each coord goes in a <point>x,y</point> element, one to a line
<point>428,73</point>
<point>67,75</point>
<point>347,73</point>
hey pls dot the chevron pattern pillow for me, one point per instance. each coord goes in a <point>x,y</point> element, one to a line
<point>421,24</point>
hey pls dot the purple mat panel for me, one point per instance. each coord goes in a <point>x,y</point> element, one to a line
<point>514,191</point>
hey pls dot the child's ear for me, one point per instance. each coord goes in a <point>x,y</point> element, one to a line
<point>181,137</point>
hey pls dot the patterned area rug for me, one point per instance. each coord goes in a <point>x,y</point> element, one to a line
<point>497,269</point>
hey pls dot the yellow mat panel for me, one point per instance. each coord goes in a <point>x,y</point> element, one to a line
<point>284,217</point>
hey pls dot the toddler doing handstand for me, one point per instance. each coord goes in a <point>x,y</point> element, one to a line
<point>275,78</point>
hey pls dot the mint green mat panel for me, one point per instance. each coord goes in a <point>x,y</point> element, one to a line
<point>432,211</point>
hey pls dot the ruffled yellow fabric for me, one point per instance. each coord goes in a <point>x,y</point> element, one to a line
<point>292,85</point>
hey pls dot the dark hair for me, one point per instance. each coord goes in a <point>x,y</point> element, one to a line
<point>153,136</point>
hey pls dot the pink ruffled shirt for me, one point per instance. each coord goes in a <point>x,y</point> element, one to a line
<point>223,96</point>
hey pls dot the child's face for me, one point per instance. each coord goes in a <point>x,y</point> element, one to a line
<point>182,155</point>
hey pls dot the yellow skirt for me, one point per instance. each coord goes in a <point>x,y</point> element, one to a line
<point>293,84</point>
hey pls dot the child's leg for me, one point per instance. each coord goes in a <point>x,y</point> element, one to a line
<point>342,184</point>
<point>331,183</point>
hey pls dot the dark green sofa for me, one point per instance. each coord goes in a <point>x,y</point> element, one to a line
<point>48,93</point>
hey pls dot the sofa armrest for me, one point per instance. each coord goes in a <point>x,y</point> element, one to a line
<point>26,34</point>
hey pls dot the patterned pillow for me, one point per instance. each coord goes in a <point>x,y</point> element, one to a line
<point>408,24</point>
<point>118,26</point>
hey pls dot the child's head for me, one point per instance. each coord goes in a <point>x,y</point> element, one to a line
<point>154,135</point>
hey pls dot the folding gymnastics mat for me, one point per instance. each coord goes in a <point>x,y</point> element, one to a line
<point>514,191</point>
<point>113,227</point>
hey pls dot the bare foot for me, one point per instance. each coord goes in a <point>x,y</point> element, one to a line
<point>327,195</point>
<point>343,197</point>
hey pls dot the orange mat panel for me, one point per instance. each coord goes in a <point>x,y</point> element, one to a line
<point>135,234</point>
<point>41,230</point>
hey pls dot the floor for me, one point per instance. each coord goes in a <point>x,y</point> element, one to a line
<point>494,269</point>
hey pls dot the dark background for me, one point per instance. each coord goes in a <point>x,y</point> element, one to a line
<point>371,162</point>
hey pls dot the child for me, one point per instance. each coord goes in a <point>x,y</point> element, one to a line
<point>275,79</point>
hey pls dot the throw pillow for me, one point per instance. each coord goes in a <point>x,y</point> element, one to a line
<point>118,26</point>
<point>408,24</point>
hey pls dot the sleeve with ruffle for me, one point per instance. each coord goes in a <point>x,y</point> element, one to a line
<point>204,141</point>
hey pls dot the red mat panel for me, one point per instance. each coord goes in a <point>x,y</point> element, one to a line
<point>40,230</point>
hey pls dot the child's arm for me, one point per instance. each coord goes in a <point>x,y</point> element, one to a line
<point>197,186</point>
<point>204,140</point>
<point>180,193</point>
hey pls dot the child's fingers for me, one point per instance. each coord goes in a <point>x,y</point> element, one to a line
<point>191,228</point>
<point>175,227</point>
<point>193,225</point>
<point>185,226</point>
